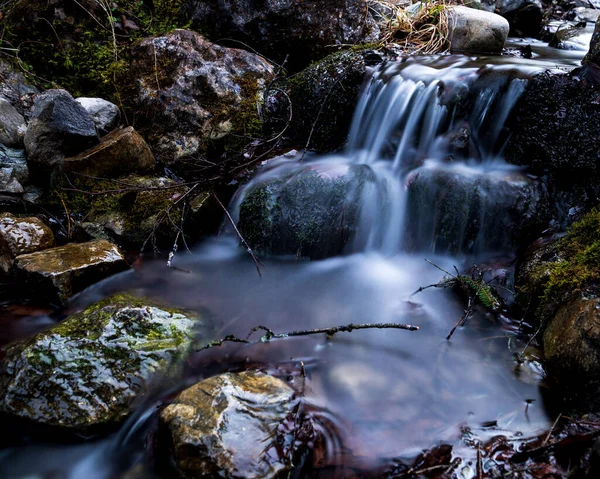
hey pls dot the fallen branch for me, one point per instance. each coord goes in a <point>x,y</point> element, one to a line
<point>330,332</point>
<point>257,262</point>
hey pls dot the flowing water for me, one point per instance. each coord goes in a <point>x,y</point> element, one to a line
<point>423,128</point>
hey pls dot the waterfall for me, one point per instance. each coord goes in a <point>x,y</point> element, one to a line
<point>426,140</point>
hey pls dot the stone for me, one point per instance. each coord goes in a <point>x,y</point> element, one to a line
<point>106,115</point>
<point>229,426</point>
<point>58,273</point>
<point>12,125</point>
<point>59,127</point>
<point>301,30</point>
<point>593,54</point>
<point>572,351</point>
<point>119,153</point>
<point>476,31</point>
<point>188,92</point>
<point>524,16</point>
<point>310,212</point>
<point>14,164</point>
<point>88,371</point>
<point>15,89</point>
<point>22,236</point>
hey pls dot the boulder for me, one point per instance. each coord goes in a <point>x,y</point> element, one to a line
<point>189,93</point>
<point>450,211</point>
<point>13,170</point>
<point>310,211</point>
<point>476,31</point>
<point>87,371</point>
<point>58,273</point>
<point>106,115</point>
<point>301,30</point>
<point>231,426</point>
<point>593,54</point>
<point>21,236</point>
<point>119,153</point>
<point>59,127</point>
<point>524,16</point>
<point>12,125</point>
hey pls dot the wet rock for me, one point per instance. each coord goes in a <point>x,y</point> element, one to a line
<point>572,351</point>
<point>13,165</point>
<point>524,16</point>
<point>119,153</point>
<point>88,371</point>
<point>59,127</point>
<point>58,273</point>
<point>106,115</point>
<point>555,126</point>
<point>15,89</point>
<point>593,55</point>
<point>22,236</point>
<point>451,211</point>
<point>303,29</point>
<point>188,92</point>
<point>229,426</point>
<point>309,212</point>
<point>477,31</point>
<point>12,125</point>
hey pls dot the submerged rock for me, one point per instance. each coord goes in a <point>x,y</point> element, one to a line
<point>188,92</point>
<point>305,30</point>
<point>309,212</point>
<point>478,31</point>
<point>230,426</point>
<point>119,153</point>
<point>59,127</point>
<point>12,125</point>
<point>452,211</point>
<point>89,370</point>
<point>106,115</point>
<point>58,273</point>
<point>21,236</point>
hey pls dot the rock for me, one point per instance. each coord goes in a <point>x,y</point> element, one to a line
<point>15,89</point>
<point>593,54</point>
<point>106,115</point>
<point>188,92</point>
<point>13,170</point>
<point>33,194</point>
<point>58,273</point>
<point>22,236</point>
<point>59,127</point>
<point>454,212</point>
<point>119,153</point>
<point>305,30</point>
<point>12,125</point>
<point>572,351</point>
<point>88,371</point>
<point>555,126</point>
<point>230,426</point>
<point>310,211</point>
<point>476,31</point>
<point>524,16</point>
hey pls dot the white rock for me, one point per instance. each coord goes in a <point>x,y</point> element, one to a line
<point>106,115</point>
<point>12,125</point>
<point>476,31</point>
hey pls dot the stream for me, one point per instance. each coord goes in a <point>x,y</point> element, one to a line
<point>428,182</point>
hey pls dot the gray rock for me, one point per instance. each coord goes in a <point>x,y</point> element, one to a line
<point>32,194</point>
<point>59,127</point>
<point>12,125</point>
<point>206,92</point>
<point>15,89</point>
<point>476,31</point>
<point>524,16</point>
<point>229,426</point>
<point>58,273</point>
<point>303,29</point>
<point>89,370</point>
<point>13,170</point>
<point>106,115</point>
<point>593,54</point>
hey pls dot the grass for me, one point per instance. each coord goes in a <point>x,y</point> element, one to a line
<point>420,28</point>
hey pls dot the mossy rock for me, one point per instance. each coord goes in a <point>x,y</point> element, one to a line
<point>87,372</point>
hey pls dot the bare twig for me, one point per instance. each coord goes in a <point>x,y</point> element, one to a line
<point>257,262</point>
<point>551,430</point>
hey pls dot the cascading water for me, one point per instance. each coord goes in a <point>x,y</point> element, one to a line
<point>422,176</point>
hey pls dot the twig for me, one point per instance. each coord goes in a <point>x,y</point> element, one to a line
<point>479,462</point>
<point>257,262</point>
<point>551,430</point>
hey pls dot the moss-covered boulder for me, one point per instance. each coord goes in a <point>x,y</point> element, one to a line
<point>88,371</point>
<point>188,95</point>
<point>310,211</point>
<point>58,273</point>
<point>119,153</point>
<point>231,426</point>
